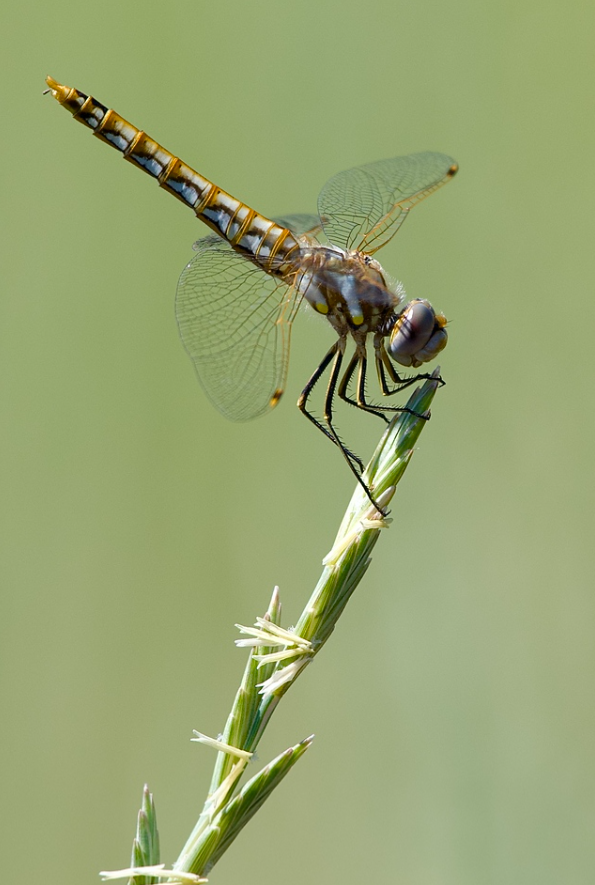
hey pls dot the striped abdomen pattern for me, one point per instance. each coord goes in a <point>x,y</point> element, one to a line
<point>252,234</point>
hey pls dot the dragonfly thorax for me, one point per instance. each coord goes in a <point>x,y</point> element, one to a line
<point>349,288</point>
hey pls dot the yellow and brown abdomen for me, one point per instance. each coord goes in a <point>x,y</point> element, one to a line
<point>259,238</point>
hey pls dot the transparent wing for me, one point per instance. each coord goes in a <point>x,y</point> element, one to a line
<point>363,208</point>
<point>235,321</point>
<point>300,223</point>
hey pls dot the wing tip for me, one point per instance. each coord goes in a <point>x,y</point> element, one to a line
<point>275,397</point>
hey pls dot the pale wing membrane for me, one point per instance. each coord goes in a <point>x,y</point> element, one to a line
<point>300,223</point>
<point>234,321</point>
<point>364,207</point>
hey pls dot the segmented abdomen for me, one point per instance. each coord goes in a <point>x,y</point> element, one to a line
<point>248,232</point>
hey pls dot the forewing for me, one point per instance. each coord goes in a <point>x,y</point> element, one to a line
<point>364,207</point>
<point>235,321</point>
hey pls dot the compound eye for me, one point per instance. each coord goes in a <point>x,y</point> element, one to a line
<point>412,334</point>
<point>436,343</point>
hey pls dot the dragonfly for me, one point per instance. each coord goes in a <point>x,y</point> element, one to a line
<point>239,295</point>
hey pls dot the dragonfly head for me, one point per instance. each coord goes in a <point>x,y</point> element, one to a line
<point>418,334</point>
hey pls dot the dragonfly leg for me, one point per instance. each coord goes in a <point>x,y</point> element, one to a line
<point>351,459</point>
<point>384,365</point>
<point>358,360</point>
<point>334,357</point>
<point>305,394</point>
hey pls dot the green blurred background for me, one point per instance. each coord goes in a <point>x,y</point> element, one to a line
<point>453,708</point>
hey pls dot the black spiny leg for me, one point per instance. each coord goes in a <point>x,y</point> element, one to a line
<point>351,459</point>
<point>334,355</point>
<point>305,394</point>
<point>360,403</point>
